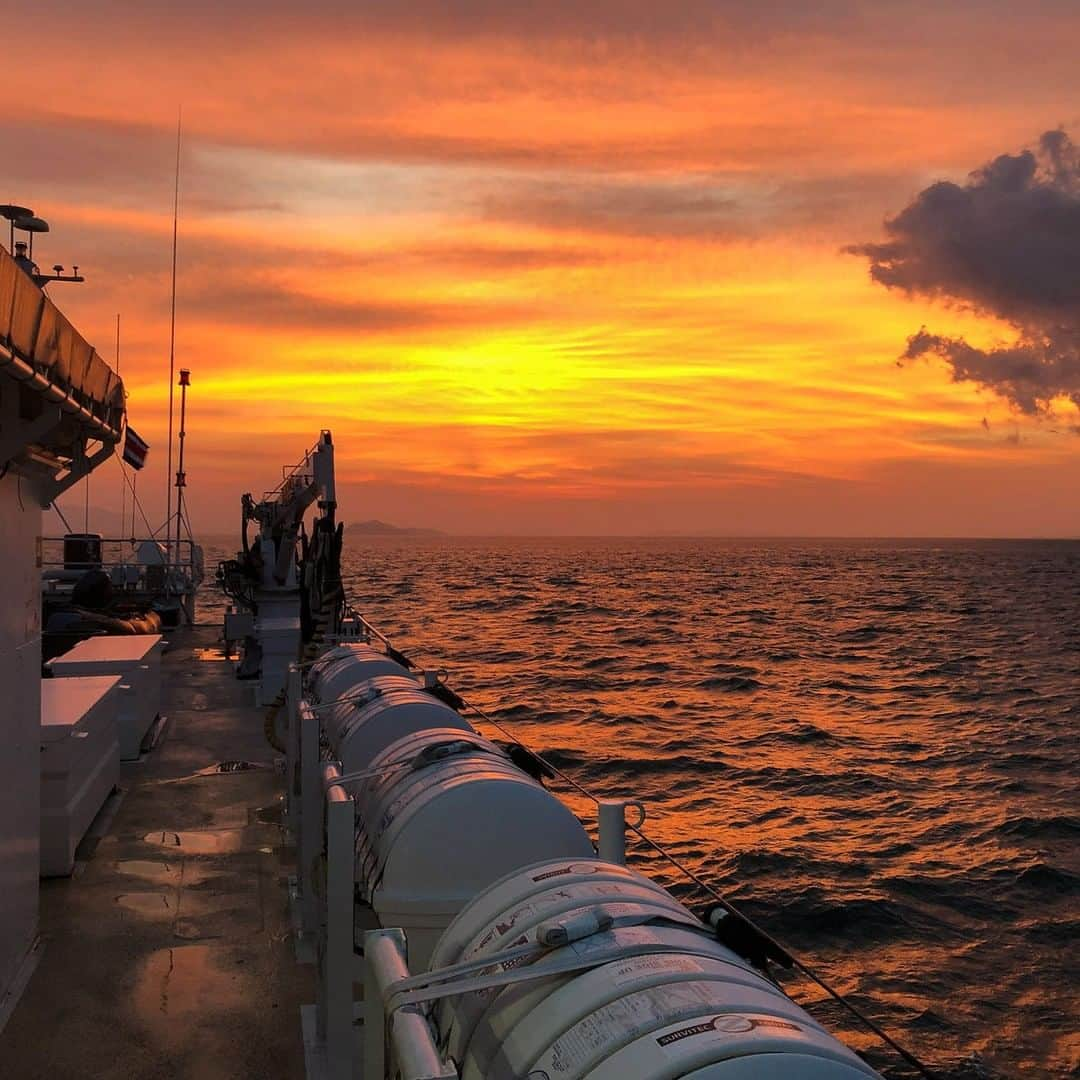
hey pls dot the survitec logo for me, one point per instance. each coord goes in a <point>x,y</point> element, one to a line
<point>727,1024</point>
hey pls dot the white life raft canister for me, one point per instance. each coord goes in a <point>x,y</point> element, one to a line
<point>442,815</point>
<point>654,996</point>
<point>369,701</point>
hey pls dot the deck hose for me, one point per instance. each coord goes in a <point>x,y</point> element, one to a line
<point>270,723</point>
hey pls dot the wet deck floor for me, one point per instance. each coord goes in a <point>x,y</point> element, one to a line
<point>169,955</point>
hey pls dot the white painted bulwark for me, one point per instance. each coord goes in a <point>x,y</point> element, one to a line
<point>80,762</point>
<point>137,658</point>
<point>20,678</point>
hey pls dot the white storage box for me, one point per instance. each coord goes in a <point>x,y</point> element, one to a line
<point>135,657</point>
<point>80,762</point>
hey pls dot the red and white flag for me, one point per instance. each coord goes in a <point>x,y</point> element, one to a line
<point>135,448</point>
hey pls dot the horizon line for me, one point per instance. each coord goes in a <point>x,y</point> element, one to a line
<point>431,533</point>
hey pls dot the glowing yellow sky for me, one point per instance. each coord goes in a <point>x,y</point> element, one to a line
<point>579,273</point>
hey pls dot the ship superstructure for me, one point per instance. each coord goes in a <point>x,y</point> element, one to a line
<point>62,415</point>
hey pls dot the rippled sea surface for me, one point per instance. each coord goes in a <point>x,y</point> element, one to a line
<point>871,747</point>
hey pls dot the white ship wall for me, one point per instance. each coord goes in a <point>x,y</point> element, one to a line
<point>20,721</point>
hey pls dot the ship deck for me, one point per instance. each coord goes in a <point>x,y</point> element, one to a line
<point>169,953</point>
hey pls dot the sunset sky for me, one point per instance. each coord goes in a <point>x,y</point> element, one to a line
<point>573,267</point>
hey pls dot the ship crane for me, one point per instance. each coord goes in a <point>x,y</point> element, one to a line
<point>286,580</point>
<point>280,515</point>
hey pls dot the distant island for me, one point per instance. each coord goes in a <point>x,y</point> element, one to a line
<point>382,528</point>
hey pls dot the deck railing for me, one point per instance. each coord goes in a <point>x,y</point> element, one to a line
<point>166,570</point>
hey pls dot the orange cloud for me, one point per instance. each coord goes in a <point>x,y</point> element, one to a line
<point>589,260</point>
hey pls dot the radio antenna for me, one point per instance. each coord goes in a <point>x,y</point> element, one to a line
<point>172,331</point>
<point>123,486</point>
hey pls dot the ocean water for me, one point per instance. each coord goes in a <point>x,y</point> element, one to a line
<point>870,747</point>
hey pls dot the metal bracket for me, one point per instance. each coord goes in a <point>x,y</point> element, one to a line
<point>293,801</point>
<point>80,467</point>
<point>415,1053</point>
<point>17,434</point>
<point>309,839</point>
<point>612,832</point>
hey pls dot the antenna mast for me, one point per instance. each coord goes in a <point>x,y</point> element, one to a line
<point>123,479</point>
<point>181,479</point>
<point>172,332</point>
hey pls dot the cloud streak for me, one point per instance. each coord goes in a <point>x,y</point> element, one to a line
<point>1005,244</point>
<point>580,253</point>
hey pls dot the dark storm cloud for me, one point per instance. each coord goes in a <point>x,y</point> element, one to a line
<point>1029,373</point>
<point>1006,244</point>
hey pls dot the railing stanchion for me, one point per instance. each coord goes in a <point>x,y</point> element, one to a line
<point>612,821</point>
<point>293,806</point>
<point>309,840</point>
<point>374,1016</point>
<point>412,1044</point>
<point>338,961</point>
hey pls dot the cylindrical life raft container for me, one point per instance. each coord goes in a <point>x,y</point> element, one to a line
<point>650,994</point>
<point>340,668</point>
<point>369,702</point>
<point>442,815</point>
<point>382,711</point>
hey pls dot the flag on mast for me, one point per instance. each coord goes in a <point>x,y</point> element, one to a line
<point>135,448</point>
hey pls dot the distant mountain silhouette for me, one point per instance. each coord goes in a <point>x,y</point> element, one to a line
<point>382,528</point>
